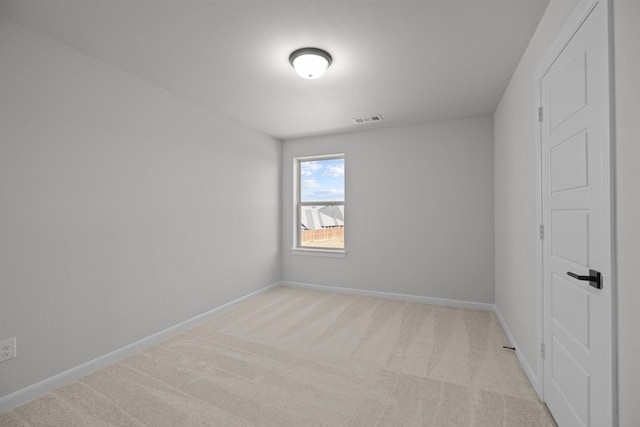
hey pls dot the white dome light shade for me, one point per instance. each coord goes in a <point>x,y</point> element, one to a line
<point>309,62</point>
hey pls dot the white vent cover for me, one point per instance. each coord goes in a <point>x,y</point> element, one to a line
<point>368,119</point>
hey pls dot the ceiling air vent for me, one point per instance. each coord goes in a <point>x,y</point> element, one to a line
<point>368,119</point>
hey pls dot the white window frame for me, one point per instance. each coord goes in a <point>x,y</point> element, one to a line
<point>297,249</point>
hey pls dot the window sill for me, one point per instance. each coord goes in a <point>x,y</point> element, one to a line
<point>330,253</point>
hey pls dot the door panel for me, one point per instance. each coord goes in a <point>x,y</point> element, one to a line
<point>569,166</point>
<point>566,294</point>
<point>571,382</point>
<point>568,94</point>
<point>570,235</point>
<point>578,374</point>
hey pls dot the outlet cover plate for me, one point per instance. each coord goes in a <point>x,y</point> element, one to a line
<point>7,349</point>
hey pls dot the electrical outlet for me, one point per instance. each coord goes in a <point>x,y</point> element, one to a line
<point>7,349</point>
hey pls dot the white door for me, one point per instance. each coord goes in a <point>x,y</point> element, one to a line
<point>576,203</point>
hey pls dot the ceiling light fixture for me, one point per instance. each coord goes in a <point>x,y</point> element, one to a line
<point>310,62</point>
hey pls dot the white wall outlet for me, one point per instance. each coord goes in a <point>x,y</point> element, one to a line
<point>7,349</point>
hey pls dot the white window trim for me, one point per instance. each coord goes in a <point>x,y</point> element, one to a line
<point>321,252</point>
<point>296,249</point>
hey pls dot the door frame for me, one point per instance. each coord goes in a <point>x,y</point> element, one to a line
<point>571,26</point>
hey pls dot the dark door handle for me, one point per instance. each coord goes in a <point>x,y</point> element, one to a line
<point>594,278</point>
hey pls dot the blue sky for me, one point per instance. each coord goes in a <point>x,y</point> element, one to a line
<point>322,180</point>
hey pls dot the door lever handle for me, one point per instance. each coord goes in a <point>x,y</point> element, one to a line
<point>575,276</point>
<point>594,278</point>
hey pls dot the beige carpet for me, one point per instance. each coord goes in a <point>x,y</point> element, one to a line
<point>294,357</point>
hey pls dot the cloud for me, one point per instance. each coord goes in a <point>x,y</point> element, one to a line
<point>309,183</point>
<point>308,168</point>
<point>332,194</point>
<point>335,170</point>
<point>328,192</point>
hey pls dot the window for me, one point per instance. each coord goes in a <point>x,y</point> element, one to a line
<point>320,202</point>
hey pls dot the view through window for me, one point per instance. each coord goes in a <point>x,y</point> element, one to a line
<point>320,202</point>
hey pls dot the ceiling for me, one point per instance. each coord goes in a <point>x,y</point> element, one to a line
<point>410,61</point>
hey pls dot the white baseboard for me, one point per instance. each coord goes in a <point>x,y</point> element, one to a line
<point>391,295</point>
<point>28,393</point>
<point>533,378</point>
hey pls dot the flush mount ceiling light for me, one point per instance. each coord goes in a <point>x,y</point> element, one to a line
<point>310,62</point>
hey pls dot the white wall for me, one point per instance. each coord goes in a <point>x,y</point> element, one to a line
<point>626,16</point>
<point>419,210</point>
<point>515,189</point>
<point>125,209</point>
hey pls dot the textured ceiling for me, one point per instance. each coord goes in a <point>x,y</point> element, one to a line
<point>410,61</point>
